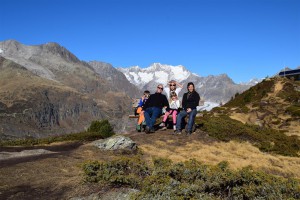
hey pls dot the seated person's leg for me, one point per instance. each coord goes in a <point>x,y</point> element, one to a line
<point>174,115</point>
<point>166,116</point>
<point>141,118</point>
<point>179,119</point>
<point>155,114</point>
<point>191,121</point>
<point>147,114</point>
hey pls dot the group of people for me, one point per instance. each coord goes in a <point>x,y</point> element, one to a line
<point>153,106</point>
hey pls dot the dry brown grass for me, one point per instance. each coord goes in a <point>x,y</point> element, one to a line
<point>181,148</point>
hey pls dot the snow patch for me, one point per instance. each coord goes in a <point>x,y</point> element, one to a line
<point>135,77</point>
<point>1,51</point>
<point>207,106</point>
<point>180,73</point>
<point>161,77</point>
<point>145,77</point>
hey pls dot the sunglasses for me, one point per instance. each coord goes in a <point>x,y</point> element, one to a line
<point>172,85</point>
<point>160,88</point>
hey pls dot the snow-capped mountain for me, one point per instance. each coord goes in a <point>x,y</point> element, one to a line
<point>215,89</point>
<point>156,72</point>
<point>252,82</point>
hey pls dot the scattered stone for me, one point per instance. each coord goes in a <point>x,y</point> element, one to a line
<point>116,143</point>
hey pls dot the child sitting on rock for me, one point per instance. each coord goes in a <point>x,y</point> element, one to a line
<point>173,109</point>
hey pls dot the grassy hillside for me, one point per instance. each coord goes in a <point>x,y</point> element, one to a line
<point>273,103</point>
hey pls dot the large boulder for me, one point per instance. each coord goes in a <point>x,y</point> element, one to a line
<point>118,142</point>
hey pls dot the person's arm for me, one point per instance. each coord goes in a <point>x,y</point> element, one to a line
<point>146,104</point>
<point>181,86</point>
<point>178,90</point>
<point>184,98</point>
<point>165,102</point>
<point>177,103</point>
<point>140,102</point>
<point>197,99</point>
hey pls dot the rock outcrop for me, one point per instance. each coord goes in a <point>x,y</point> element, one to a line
<point>46,90</point>
<point>116,143</point>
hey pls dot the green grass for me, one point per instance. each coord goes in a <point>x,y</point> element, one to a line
<point>98,130</point>
<point>253,95</point>
<point>189,180</point>
<point>268,140</point>
<point>294,110</point>
<point>288,92</point>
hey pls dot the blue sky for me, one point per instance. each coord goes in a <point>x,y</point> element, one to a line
<point>242,38</point>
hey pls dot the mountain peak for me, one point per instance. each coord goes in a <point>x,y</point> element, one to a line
<point>57,49</point>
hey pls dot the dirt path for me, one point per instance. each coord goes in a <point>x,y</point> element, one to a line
<point>54,176</point>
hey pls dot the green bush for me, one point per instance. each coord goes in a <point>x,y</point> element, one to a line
<point>268,140</point>
<point>190,180</point>
<point>121,172</point>
<point>102,127</point>
<point>294,110</point>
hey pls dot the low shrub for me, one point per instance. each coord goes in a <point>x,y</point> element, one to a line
<point>102,127</point>
<point>294,110</point>
<point>121,172</point>
<point>190,180</point>
<point>224,128</point>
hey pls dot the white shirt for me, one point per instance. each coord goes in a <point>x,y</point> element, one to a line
<point>167,91</point>
<point>175,104</point>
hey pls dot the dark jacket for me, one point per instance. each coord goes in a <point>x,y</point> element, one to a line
<point>190,102</point>
<point>156,100</point>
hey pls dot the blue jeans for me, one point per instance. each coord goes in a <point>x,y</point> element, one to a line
<point>182,115</point>
<point>151,114</point>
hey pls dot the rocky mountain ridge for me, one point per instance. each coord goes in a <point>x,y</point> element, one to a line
<point>46,90</point>
<point>217,89</point>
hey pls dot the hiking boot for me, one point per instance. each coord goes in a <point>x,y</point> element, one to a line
<point>164,128</point>
<point>162,124</point>
<point>147,130</point>
<point>188,133</point>
<point>152,130</point>
<point>138,128</point>
<point>177,132</point>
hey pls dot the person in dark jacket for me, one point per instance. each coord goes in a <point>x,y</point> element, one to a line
<point>153,108</point>
<point>190,101</point>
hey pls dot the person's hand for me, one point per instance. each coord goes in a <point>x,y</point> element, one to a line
<point>188,110</point>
